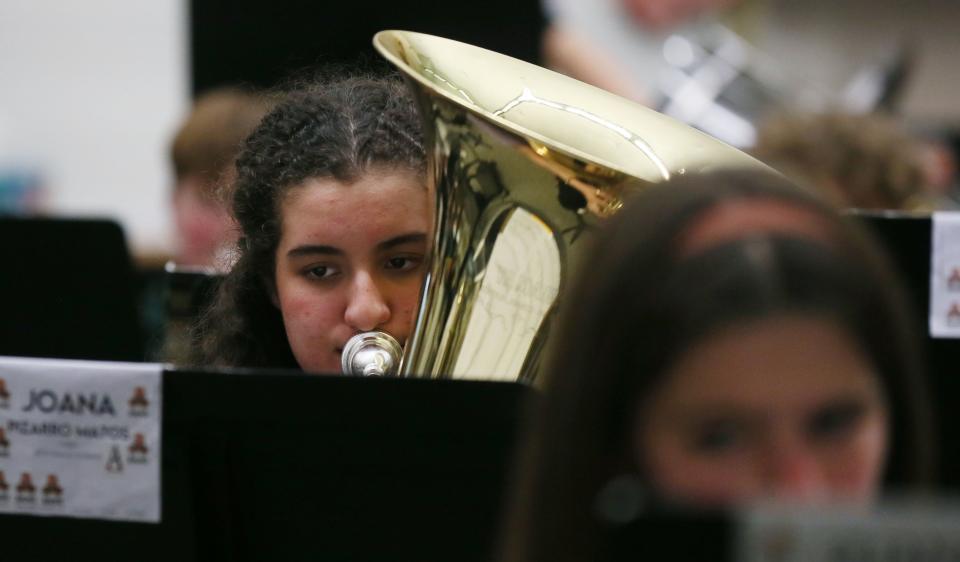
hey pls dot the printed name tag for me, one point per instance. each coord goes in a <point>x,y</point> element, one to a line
<point>894,533</point>
<point>945,276</point>
<point>80,439</point>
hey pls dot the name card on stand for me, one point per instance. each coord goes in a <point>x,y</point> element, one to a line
<point>914,532</point>
<point>945,276</point>
<point>80,439</point>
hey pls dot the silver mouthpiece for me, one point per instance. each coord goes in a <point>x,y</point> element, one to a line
<point>371,354</point>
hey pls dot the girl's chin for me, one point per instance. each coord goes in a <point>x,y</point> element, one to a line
<point>328,366</point>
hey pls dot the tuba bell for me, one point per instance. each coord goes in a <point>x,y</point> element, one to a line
<point>524,164</point>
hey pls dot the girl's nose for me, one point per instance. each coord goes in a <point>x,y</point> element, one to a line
<point>795,473</point>
<point>367,308</point>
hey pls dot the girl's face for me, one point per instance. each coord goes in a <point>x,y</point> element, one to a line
<point>350,260</point>
<point>786,408</point>
<point>663,14</point>
<point>204,227</point>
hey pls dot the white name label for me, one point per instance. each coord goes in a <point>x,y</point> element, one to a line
<point>945,276</point>
<point>80,439</point>
<point>892,534</point>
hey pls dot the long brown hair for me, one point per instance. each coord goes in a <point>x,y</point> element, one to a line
<point>640,305</point>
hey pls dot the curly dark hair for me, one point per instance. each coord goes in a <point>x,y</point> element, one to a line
<point>338,129</point>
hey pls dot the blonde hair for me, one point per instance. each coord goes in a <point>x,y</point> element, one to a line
<point>212,135</point>
<point>858,161</point>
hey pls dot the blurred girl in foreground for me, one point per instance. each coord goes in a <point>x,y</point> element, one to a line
<point>735,340</point>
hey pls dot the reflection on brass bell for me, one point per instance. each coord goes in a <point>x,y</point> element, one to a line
<point>525,165</point>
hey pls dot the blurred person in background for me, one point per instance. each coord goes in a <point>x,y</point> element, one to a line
<point>864,161</point>
<point>736,340</point>
<point>938,158</point>
<point>617,45</point>
<point>202,153</point>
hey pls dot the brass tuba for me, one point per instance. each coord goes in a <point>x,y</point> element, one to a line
<point>524,164</point>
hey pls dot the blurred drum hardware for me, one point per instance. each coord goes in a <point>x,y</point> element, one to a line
<point>68,290</point>
<point>524,164</point>
<point>719,83</point>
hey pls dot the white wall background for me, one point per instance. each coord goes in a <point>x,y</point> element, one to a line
<point>827,41</point>
<point>90,93</point>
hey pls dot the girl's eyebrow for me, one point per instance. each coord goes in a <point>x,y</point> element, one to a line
<point>719,413</point>
<point>314,249</point>
<point>402,239</point>
<point>322,249</point>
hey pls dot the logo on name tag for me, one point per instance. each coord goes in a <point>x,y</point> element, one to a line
<point>4,395</point>
<point>114,460</point>
<point>953,282</point>
<point>139,405</point>
<point>26,491</point>
<point>953,317</point>
<point>52,491</point>
<point>137,452</point>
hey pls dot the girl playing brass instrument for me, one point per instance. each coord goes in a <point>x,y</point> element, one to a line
<point>331,201</point>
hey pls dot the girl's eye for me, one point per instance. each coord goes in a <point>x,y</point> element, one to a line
<point>716,438</point>
<point>321,272</point>
<point>403,263</point>
<point>836,420</point>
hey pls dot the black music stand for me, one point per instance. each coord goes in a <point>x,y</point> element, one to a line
<point>907,239</point>
<point>288,44</point>
<point>283,466</point>
<point>67,290</point>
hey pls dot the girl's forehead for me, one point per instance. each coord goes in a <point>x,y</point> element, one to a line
<point>770,363</point>
<point>368,186</point>
<point>738,219</point>
<point>330,211</point>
